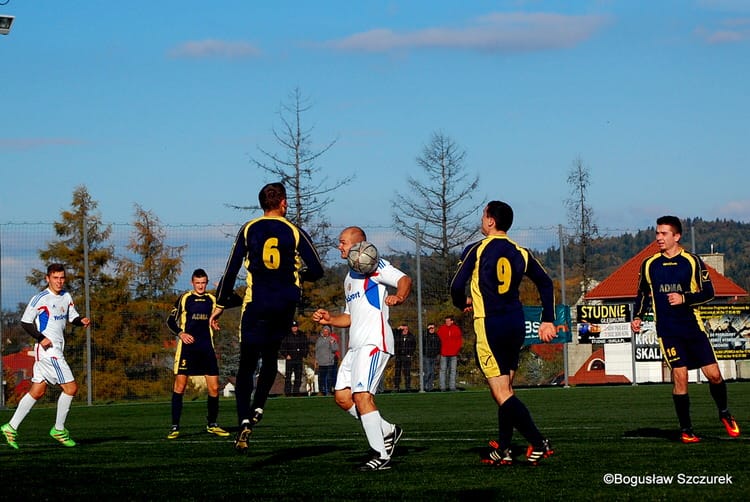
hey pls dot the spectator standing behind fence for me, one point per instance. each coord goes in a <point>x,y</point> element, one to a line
<point>405,344</point>
<point>294,349</point>
<point>451,339</point>
<point>325,360</point>
<point>430,352</point>
<point>44,319</point>
<point>337,355</point>
<point>195,351</point>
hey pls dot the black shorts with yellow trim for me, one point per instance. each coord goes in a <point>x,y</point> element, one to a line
<point>691,350</point>
<point>196,362</point>
<point>499,342</point>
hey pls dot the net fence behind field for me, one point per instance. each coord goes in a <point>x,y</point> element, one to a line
<point>144,369</point>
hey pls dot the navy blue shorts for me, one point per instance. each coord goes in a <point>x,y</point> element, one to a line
<point>196,362</point>
<point>259,325</point>
<point>692,351</point>
<point>499,342</point>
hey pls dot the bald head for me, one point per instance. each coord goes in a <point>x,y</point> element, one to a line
<point>349,237</point>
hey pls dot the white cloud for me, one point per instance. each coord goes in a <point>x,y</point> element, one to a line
<point>729,31</point>
<point>496,32</point>
<point>214,49</point>
<point>736,210</point>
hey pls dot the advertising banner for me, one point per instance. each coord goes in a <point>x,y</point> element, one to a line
<point>599,324</point>
<point>533,314</point>
<point>728,327</point>
<point>647,346</point>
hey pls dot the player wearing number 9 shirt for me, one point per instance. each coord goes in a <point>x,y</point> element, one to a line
<point>278,256</point>
<point>494,268</point>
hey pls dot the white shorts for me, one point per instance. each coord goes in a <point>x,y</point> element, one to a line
<point>362,369</point>
<point>52,370</point>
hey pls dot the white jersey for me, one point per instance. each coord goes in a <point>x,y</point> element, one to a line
<point>365,303</point>
<point>49,312</point>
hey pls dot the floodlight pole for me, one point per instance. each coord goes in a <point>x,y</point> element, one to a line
<point>2,321</point>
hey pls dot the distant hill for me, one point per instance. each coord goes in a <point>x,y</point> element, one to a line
<point>728,237</point>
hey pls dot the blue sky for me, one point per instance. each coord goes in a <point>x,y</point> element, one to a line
<point>163,103</point>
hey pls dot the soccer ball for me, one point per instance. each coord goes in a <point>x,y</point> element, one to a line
<point>363,258</point>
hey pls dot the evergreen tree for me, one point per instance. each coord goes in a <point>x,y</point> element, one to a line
<point>158,267</point>
<point>69,248</point>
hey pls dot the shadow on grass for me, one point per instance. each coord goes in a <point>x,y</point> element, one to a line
<point>296,453</point>
<point>652,432</point>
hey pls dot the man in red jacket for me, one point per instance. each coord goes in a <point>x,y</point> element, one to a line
<point>451,340</point>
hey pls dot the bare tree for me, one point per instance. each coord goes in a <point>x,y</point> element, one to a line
<point>581,216</point>
<point>441,203</point>
<point>297,167</point>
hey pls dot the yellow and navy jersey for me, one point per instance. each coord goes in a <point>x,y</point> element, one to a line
<point>495,266</point>
<point>190,315</point>
<point>684,273</point>
<point>278,256</point>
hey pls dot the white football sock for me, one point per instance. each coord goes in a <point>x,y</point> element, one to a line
<point>63,407</point>
<point>386,427</point>
<point>24,407</point>
<point>371,425</point>
<point>353,412</point>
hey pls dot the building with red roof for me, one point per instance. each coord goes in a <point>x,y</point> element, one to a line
<point>622,285</point>
<point>19,368</point>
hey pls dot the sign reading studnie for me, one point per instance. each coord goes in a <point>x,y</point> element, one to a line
<point>599,324</point>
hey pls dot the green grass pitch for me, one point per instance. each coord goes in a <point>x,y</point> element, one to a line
<point>307,449</point>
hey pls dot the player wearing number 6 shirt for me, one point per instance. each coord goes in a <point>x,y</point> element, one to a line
<point>494,268</point>
<point>44,319</point>
<point>672,284</point>
<point>278,256</point>
<point>370,346</point>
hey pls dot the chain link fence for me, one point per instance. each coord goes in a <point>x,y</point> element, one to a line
<point>132,358</point>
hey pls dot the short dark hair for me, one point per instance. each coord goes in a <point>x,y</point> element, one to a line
<point>502,213</point>
<point>672,221</point>
<point>271,195</point>
<point>55,267</point>
<point>199,272</point>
